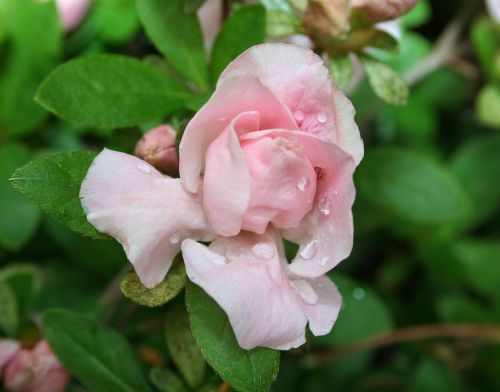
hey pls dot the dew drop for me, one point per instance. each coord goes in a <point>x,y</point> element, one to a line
<point>335,191</point>
<point>219,260</point>
<point>144,168</point>
<point>302,183</point>
<point>175,238</point>
<point>359,294</point>
<point>299,115</point>
<point>263,250</point>
<point>323,261</point>
<point>325,206</point>
<point>306,291</point>
<point>309,250</point>
<point>321,117</point>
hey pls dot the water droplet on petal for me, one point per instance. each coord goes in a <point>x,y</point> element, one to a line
<point>335,192</point>
<point>325,206</point>
<point>323,261</point>
<point>306,291</point>
<point>321,117</point>
<point>299,115</point>
<point>302,183</point>
<point>263,250</point>
<point>309,250</point>
<point>175,238</point>
<point>144,168</point>
<point>219,260</point>
<point>359,294</point>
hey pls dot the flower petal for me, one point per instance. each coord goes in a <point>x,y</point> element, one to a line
<point>148,213</point>
<point>234,96</point>
<point>299,78</point>
<point>246,275</point>
<point>226,185</point>
<point>326,233</point>
<point>8,348</point>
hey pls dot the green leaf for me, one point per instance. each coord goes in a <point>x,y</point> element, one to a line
<point>363,314</point>
<point>244,28</point>
<point>53,183</point>
<point>433,376</point>
<point>18,216</point>
<point>9,316</point>
<point>166,380</point>
<point>480,263</point>
<point>488,106</point>
<point>341,70</point>
<point>33,51</point>
<point>99,357</point>
<point>192,5</point>
<point>419,15</point>
<point>110,91</point>
<point>177,35</point>
<point>386,83</point>
<point>182,347</point>
<point>245,370</point>
<point>133,289</point>
<point>281,24</point>
<point>24,281</point>
<point>411,187</point>
<point>477,166</point>
<point>486,39</point>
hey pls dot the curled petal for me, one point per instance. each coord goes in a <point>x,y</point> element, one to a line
<point>326,233</point>
<point>211,16</point>
<point>148,213</point>
<point>380,10</point>
<point>300,79</point>
<point>226,186</point>
<point>246,275</point>
<point>234,96</point>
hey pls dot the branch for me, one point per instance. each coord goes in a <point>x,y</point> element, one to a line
<point>408,334</point>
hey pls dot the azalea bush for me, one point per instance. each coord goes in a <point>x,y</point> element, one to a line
<point>219,195</point>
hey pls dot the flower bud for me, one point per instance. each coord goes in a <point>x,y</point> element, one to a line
<point>158,148</point>
<point>37,370</point>
<point>7,349</point>
<point>379,10</point>
<point>72,12</point>
<point>326,19</point>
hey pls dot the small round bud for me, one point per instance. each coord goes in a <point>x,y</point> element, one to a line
<point>158,148</point>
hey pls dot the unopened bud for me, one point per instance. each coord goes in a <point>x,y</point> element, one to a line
<point>72,12</point>
<point>373,11</point>
<point>326,19</point>
<point>158,148</point>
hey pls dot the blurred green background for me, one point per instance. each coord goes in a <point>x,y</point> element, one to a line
<point>422,286</point>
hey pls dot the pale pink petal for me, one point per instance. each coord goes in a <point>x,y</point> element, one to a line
<point>8,348</point>
<point>210,15</point>
<point>148,213</point>
<point>283,183</point>
<point>300,79</point>
<point>226,185</point>
<point>234,96</point>
<point>494,9</point>
<point>246,275</point>
<point>72,12</point>
<point>326,234</point>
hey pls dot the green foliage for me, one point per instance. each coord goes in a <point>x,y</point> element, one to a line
<point>23,280</point>
<point>183,348</point>
<point>245,371</point>
<point>9,317</point>
<point>177,35</point>
<point>411,187</point>
<point>488,106</point>
<point>34,50</point>
<point>53,183</point>
<point>98,356</point>
<point>244,28</point>
<point>341,70</point>
<point>166,380</point>
<point>386,83</point>
<point>119,91</point>
<point>159,295</point>
<point>18,216</point>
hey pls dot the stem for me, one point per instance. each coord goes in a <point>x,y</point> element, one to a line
<point>112,296</point>
<point>408,334</point>
<point>447,47</point>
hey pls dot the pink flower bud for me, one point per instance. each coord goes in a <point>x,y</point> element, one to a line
<point>72,12</point>
<point>36,370</point>
<point>210,16</point>
<point>158,148</point>
<point>380,10</point>
<point>7,349</point>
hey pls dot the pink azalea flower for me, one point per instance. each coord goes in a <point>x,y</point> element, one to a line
<point>36,370</point>
<point>72,12</point>
<point>270,156</point>
<point>8,348</point>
